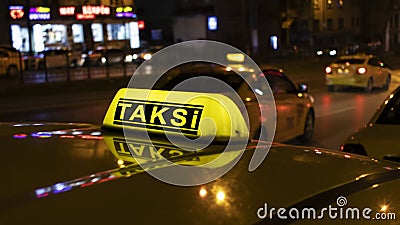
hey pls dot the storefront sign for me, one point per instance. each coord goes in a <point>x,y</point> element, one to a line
<point>126,12</point>
<point>67,10</point>
<point>81,16</point>
<point>141,25</point>
<point>212,23</point>
<point>39,13</point>
<point>16,12</point>
<point>96,10</point>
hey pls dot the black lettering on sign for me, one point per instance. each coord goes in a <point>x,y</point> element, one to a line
<point>155,115</point>
<point>147,150</point>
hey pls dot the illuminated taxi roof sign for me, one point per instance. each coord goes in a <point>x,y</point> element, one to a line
<point>235,57</point>
<point>174,112</point>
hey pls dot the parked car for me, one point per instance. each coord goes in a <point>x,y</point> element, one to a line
<point>359,70</point>
<point>146,54</point>
<point>104,55</point>
<point>10,61</point>
<point>57,58</point>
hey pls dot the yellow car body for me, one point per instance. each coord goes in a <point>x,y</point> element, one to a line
<point>10,62</point>
<point>361,70</point>
<point>294,106</point>
<point>69,173</point>
<point>379,138</point>
<point>80,174</point>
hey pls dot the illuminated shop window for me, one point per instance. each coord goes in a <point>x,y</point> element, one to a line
<point>116,32</point>
<point>77,33</point>
<point>54,35</point>
<point>38,38</point>
<point>134,34</point>
<point>97,30</point>
<point>20,38</point>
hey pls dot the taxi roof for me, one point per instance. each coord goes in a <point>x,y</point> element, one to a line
<point>40,156</point>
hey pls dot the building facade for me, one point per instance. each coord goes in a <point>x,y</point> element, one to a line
<point>315,24</point>
<point>36,25</point>
<point>252,26</point>
<point>336,22</point>
<point>270,27</point>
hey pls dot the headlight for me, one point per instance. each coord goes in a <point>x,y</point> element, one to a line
<point>147,56</point>
<point>103,60</point>
<point>128,58</point>
<point>361,70</point>
<point>134,56</point>
<point>328,70</point>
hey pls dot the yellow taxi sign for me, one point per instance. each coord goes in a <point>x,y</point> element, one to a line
<point>235,57</point>
<point>176,112</point>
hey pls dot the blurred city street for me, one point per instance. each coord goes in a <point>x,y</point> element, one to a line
<point>338,114</point>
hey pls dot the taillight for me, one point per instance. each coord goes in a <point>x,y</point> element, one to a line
<point>361,70</point>
<point>328,70</point>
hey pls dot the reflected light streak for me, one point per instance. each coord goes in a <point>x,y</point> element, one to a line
<point>361,176</point>
<point>384,208</point>
<point>67,136</point>
<point>20,136</point>
<point>120,163</point>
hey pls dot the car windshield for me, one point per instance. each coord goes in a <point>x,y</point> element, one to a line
<point>185,72</point>
<point>391,112</point>
<point>350,61</point>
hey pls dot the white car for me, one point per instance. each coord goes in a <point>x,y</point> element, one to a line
<point>360,70</point>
